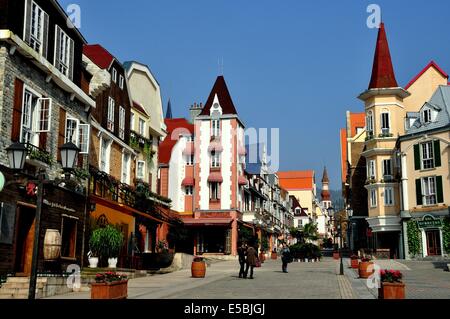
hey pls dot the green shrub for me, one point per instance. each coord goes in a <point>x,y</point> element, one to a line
<point>106,242</point>
<point>446,234</point>
<point>413,238</point>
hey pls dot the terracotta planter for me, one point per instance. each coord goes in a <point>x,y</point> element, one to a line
<point>355,263</point>
<point>262,257</point>
<point>336,255</point>
<point>113,290</point>
<point>366,269</point>
<point>389,290</point>
<point>198,269</point>
<point>274,256</point>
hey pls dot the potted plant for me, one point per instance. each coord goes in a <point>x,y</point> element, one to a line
<point>107,242</point>
<point>392,286</point>
<point>274,254</point>
<point>366,268</point>
<point>198,268</point>
<point>109,285</point>
<point>354,261</point>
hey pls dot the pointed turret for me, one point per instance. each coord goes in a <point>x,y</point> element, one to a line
<point>326,196</point>
<point>220,90</point>
<point>169,110</point>
<point>325,178</point>
<point>383,75</point>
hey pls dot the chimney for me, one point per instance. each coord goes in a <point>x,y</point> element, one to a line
<point>195,111</point>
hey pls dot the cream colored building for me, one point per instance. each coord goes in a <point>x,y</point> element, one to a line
<point>145,93</point>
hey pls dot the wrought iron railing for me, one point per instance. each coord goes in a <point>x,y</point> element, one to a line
<point>39,154</point>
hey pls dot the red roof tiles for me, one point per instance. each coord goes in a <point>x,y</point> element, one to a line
<point>432,64</point>
<point>99,55</point>
<point>175,127</point>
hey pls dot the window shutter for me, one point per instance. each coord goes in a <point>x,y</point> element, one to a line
<point>439,189</point>
<point>45,36</point>
<point>437,153</point>
<point>417,157</point>
<point>57,47</point>
<point>62,130</point>
<point>27,31</point>
<point>17,110</point>
<point>71,58</point>
<point>419,192</point>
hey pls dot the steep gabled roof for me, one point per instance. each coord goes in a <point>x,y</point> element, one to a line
<point>165,148</point>
<point>383,75</point>
<point>221,90</point>
<point>99,55</point>
<point>432,64</point>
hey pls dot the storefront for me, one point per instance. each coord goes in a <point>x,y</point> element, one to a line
<point>211,235</point>
<point>61,227</point>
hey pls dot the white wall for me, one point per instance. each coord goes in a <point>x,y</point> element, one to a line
<point>204,163</point>
<point>177,173</point>
<point>227,160</point>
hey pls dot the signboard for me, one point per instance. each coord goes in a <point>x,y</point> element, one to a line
<point>429,221</point>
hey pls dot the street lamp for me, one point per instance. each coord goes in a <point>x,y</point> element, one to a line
<point>350,215</point>
<point>16,154</point>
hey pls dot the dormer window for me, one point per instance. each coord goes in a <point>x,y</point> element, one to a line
<point>426,116</point>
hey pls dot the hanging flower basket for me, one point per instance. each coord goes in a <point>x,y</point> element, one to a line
<point>392,286</point>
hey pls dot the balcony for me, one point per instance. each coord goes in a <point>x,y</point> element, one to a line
<point>142,144</point>
<point>37,154</point>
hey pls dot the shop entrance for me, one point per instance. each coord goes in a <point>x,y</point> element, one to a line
<point>433,242</point>
<point>213,240</point>
<point>24,240</point>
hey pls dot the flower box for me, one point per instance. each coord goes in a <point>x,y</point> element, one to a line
<point>110,290</point>
<point>366,269</point>
<point>391,290</point>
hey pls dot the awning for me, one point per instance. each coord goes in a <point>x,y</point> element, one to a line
<point>215,146</point>
<point>242,181</point>
<point>188,181</point>
<point>207,221</point>
<point>189,150</point>
<point>215,177</point>
<point>242,151</point>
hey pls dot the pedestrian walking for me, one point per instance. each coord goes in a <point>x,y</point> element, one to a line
<point>251,260</point>
<point>242,252</point>
<point>285,257</point>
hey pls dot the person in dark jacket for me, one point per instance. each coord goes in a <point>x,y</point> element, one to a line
<point>285,257</point>
<point>252,257</point>
<point>242,252</point>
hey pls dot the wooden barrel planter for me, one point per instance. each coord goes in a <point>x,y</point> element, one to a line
<point>389,290</point>
<point>112,290</point>
<point>52,244</point>
<point>198,269</point>
<point>366,269</point>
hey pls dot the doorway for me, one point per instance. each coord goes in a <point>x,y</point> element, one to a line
<point>24,240</point>
<point>433,242</point>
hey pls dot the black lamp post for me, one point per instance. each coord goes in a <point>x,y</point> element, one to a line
<point>16,154</point>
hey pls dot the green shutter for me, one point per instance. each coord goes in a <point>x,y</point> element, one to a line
<point>419,192</point>
<point>417,157</point>
<point>437,153</point>
<point>439,189</point>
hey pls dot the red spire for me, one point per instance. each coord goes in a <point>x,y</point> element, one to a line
<point>383,75</point>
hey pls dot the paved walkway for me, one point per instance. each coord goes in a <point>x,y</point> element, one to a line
<point>304,281</point>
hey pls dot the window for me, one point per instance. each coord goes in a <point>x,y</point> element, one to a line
<point>370,123</point>
<point>189,138</point>
<point>427,155</point>
<point>126,168</point>
<point>215,128</point>
<point>140,171</point>
<point>121,81</point>
<point>387,169</point>
<point>114,75</point>
<point>132,121</point>
<point>426,114</point>
<point>105,148</point>
<point>214,191</point>
<point>385,125</point>
<point>111,109</point>
<point>69,237</point>
<point>388,196</point>
<point>36,117</point>
<point>190,160</point>
<point>77,133</point>
<point>429,190</point>
<point>371,169</point>
<point>189,190</point>
<point>373,198</point>
<point>37,27</point>
<point>142,127</point>
<point>121,122</point>
<point>64,53</point>
<point>215,159</point>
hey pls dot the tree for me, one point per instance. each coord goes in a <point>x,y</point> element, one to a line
<point>310,232</point>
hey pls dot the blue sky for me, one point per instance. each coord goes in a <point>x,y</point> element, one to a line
<point>289,64</point>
